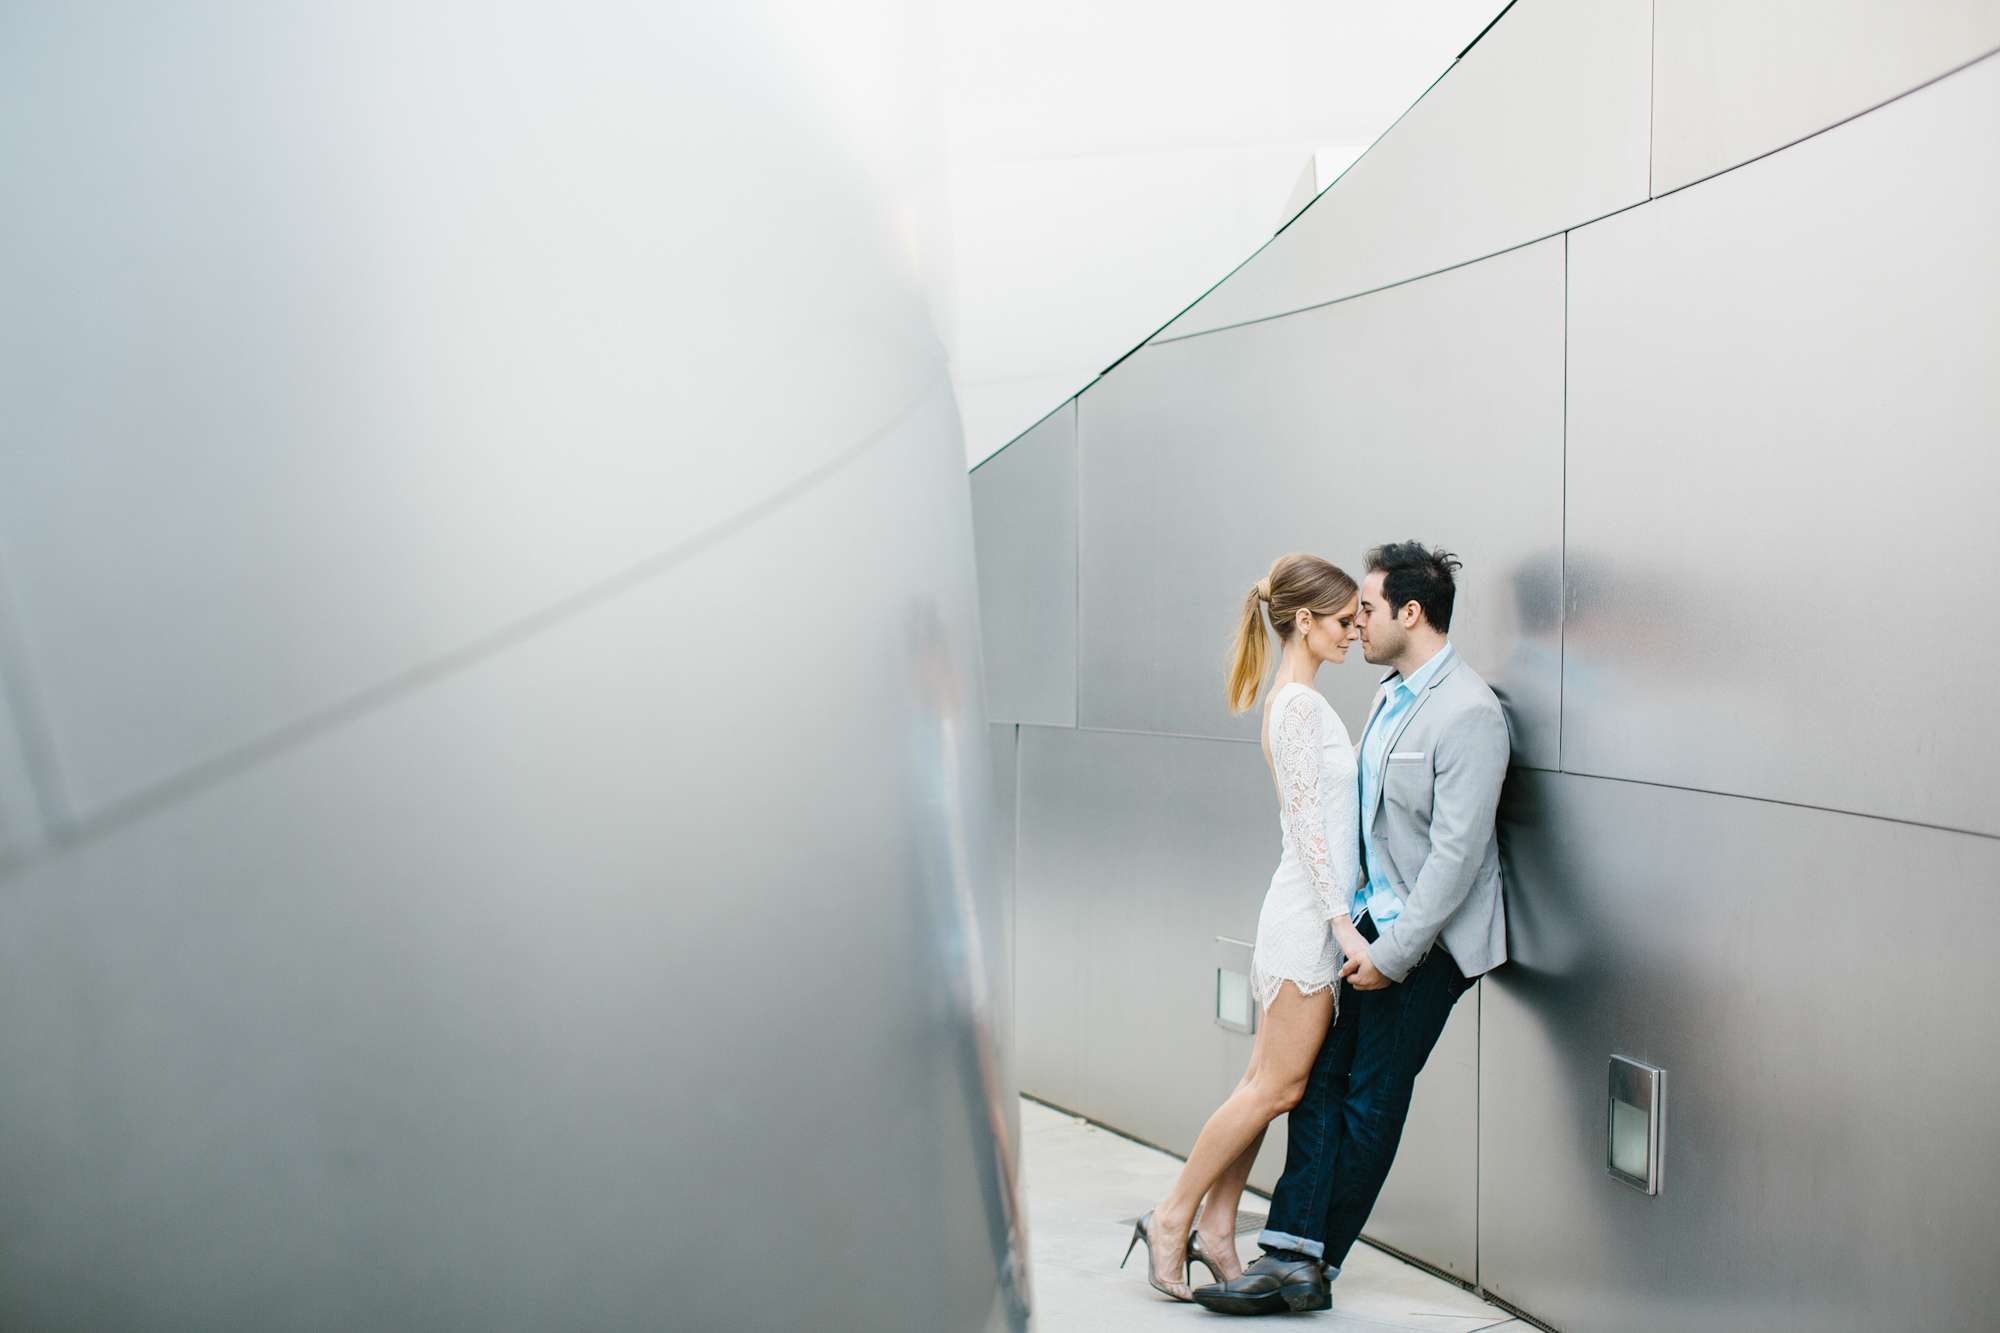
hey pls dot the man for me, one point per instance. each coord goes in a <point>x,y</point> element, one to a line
<point>1432,759</point>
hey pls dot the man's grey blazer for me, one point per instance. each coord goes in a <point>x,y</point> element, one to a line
<point>1433,825</point>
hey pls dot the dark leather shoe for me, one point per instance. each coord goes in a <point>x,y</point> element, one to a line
<point>1272,1285</point>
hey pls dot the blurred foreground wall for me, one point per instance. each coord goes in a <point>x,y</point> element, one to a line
<point>1678,321</point>
<point>493,796</point>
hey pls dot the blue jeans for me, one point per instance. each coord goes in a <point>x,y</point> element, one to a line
<point>1344,1131</point>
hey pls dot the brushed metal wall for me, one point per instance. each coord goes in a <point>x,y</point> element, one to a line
<point>1827,1166</point>
<point>1784,460</point>
<point>1712,462</point>
<point>1024,503</point>
<point>1003,740</point>
<point>1732,81</point>
<point>497,790</point>
<point>1136,851</point>
<point>284,213</point>
<point>1003,746</point>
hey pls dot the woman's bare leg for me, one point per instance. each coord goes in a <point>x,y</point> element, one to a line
<point>1217,1220</point>
<point>1288,1041</point>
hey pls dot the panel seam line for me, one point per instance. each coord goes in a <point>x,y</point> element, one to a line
<point>246,755</point>
<point>1825,129</point>
<point>1401,282</point>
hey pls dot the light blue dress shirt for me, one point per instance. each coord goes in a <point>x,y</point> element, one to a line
<point>1376,897</point>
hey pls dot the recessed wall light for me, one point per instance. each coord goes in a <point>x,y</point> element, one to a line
<point>1636,1118</point>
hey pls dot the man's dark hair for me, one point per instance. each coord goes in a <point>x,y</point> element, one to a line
<point>1411,572</point>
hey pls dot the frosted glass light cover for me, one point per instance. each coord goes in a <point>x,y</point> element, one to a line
<point>1629,1134</point>
<point>1234,1008</point>
<point>1637,1102</point>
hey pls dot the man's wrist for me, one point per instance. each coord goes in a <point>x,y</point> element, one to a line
<point>1385,958</point>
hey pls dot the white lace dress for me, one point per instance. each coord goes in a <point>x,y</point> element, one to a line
<point>1319,809</point>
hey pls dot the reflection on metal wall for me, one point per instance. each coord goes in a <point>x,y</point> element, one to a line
<point>1696,456</point>
<point>493,786</point>
<point>1850,457</point>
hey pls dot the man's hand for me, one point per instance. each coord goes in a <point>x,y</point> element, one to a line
<point>1360,973</point>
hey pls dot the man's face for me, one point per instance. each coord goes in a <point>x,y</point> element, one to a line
<point>1382,635</point>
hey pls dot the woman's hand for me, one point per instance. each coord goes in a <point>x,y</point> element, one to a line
<point>1359,972</point>
<point>1350,940</point>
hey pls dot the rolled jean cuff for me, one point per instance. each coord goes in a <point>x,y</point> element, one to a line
<point>1279,1240</point>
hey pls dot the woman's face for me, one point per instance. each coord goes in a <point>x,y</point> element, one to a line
<point>1328,636</point>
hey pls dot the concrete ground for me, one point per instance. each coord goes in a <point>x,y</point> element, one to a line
<point>1083,1182</point>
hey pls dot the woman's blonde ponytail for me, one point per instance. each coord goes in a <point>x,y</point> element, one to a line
<point>1296,583</point>
<point>1251,653</point>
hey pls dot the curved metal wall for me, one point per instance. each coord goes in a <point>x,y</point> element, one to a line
<point>494,813</point>
<point>1700,445</point>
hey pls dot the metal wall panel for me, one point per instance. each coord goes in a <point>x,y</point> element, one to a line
<point>1135,853</point>
<point>497,1005</point>
<point>445,418</point>
<point>1734,80</point>
<point>1003,744</point>
<point>334,341</point>
<point>28,798</point>
<point>1024,519</point>
<point>1053,914</point>
<point>20,813</point>
<point>1002,739</point>
<point>1430,1202</point>
<point>1542,126</point>
<point>1432,410</point>
<point>1828,1161</point>
<point>1781,415</point>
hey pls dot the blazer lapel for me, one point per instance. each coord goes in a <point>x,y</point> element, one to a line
<point>1403,725</point>
<point>1381,701</point>
<point>1416,706</point>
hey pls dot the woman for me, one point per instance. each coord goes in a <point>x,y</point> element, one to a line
<point>1304,932</point>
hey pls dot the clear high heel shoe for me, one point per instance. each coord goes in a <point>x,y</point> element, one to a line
<point>1197,1255</point>
<point>1179,1291</point>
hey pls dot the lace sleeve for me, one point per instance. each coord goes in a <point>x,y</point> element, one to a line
<point>1297,751</point>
